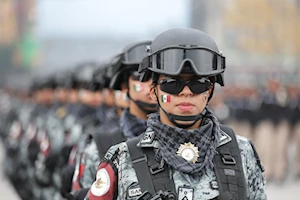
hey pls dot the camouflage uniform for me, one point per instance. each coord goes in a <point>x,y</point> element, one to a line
<point>91,161</point>
<point>88,155</point>
<point>127,179</point>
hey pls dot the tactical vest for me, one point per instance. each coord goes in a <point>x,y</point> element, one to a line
<point>104,140</point>
<point>155,181</point>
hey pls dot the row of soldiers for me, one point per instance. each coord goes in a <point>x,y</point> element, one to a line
<point>42,124</point>
<point>56,133</point>
<point>51,131</point>
<point>270,117</point>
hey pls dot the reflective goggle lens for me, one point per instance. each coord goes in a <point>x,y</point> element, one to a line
<point>203,61</point>
<point>175,86</point>
<point>135,54</point>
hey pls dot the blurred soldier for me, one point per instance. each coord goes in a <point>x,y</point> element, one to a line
<point>5,111</point>
<point>246,112</point>
<point>220,108</point>
<point>231,100</point>
<point>273,130</point>
<point>176,158</point>
<point>133,119</point>
<point>17,160</point>
<point>49,137</point>
<point>294,108</point>
<point>95,109</point>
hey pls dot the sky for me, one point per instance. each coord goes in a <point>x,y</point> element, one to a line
<point>88,18</point>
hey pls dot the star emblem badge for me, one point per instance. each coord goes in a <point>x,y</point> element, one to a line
<point>189,152</point>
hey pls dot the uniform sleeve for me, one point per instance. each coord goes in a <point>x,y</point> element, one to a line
<point>106,182</point>
<point>91,162</point>
<point>253,170</point>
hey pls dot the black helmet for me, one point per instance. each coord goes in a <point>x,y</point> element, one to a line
<point>184,50</point>
<point>70,81</point>
<point>62,79</point>
<point>128,61</point>
<point>100,76</point>
<point>84,75</point>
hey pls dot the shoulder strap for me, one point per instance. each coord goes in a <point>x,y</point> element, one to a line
<point>229,169</point>
<point>104,140</point>
<point>152,176</point>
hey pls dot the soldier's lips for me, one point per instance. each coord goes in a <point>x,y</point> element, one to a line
<point>185,106</point>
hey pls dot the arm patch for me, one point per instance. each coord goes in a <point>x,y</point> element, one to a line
<point>105,185</point>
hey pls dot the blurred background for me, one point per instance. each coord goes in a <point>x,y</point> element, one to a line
<point>259,38</point>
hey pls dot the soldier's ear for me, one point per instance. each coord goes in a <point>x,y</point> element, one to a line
<point>124,88</point>
<point>153,94</point>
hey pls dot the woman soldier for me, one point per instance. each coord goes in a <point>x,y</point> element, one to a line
<point>185,153</point>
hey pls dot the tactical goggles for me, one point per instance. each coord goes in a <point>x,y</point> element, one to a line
<point>175,86</point>
<point>136,76</point>
<point>135,54</point>
<point>172,59</point>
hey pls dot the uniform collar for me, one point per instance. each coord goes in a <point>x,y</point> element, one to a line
<point>148,139</point>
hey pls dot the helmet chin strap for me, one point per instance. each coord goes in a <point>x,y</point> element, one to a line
<point>173,117</point>
<point>145,107</point>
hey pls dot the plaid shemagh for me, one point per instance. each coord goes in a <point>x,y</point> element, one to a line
<point>131,125</point>
<point>206,138</point>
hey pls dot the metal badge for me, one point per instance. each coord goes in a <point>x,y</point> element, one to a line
<point>61,112</point>
<point>185,193</point>
<point>189,152</point>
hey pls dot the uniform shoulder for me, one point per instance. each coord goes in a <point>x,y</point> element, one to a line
<point>116,149</point>
<point>249,152</point>
<point>244,143</point>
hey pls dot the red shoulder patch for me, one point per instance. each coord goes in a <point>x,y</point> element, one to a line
<point>104,186</point>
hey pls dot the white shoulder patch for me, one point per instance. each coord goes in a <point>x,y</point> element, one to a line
<point>148,137</point>
<point>224,138</point>
<point>102,184</point>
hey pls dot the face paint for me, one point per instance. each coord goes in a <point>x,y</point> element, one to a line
<point>138,87</point>
<point>81,93</point>
<point>121,95</point>
<point>166,98</point>
<point>124,96</point>
<point>118,94</point>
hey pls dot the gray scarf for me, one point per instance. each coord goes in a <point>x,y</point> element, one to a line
<point>206,138</point>
<point>131,125</point>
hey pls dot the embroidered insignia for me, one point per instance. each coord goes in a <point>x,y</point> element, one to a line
<point>61,112</point>
<point>102,184</point>
<point>189,152</point>
<point>185,193</point>
<point>148,137</point>
<point>224,138</point>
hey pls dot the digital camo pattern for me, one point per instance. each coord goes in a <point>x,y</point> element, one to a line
<point>91,162</point>
<point>254,177</point>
